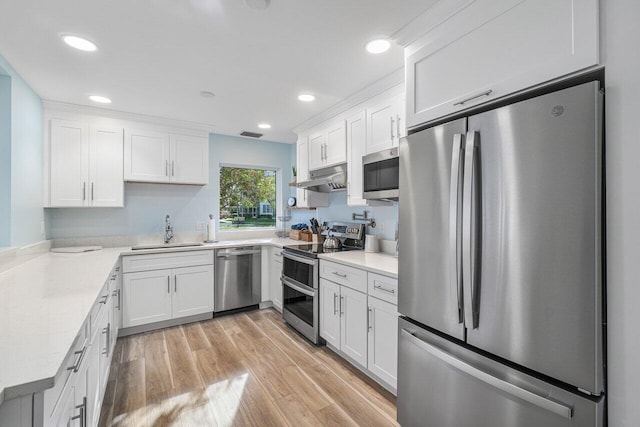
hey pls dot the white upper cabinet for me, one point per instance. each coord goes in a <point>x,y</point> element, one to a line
<point>482,50</point>
<point>85,165</point>
<point>307,198</point>
<point>385,124</point>
<point>316,146</point>
<point>147,156</point>
<point>189,159</point>
<point>356,141</point>
<point>152,156</point>
<point>105,167</point>
<point>328,145</point>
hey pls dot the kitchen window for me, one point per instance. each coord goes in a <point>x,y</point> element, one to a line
<point>247,198</point>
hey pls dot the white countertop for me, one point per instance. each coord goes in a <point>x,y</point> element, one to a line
<point>377,262</point>
<point>44,302</point>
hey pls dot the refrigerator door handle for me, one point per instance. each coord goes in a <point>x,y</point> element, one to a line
<point>470,297</point>
<point>502,385</point>
<point>454,224</point>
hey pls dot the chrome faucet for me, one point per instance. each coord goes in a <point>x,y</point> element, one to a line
<point>168,230</point>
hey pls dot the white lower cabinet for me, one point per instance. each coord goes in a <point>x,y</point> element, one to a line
<point>330,312</point>
<point>343,319</point>
<point>383,340</point>
<point>193,291</point>
<point>275,272</point>
<point>146,297</point>
<point>353,325</point>
<point>359,326</point>
<point>151,295</point>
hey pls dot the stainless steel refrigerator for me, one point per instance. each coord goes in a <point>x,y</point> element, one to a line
<point>500,267</point>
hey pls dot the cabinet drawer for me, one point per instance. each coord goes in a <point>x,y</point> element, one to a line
<point>97,309</point>
<point>383,287</point>
<point>344,275</point>
<point>277,255</point>
<point>133,263</point>
<point>53,397</point>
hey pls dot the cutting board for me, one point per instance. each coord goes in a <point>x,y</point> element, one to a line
<point>76,249</point>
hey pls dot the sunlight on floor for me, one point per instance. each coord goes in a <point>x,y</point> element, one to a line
<point>217,405</point>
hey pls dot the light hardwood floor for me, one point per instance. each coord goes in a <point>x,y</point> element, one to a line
<point>247,369</point>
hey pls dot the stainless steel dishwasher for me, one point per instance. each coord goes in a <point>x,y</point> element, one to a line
<point>238,277</point>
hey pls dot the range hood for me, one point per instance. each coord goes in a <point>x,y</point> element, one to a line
<point>326,180</point>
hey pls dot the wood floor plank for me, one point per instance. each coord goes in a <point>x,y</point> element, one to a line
<point>159,384</point>
<point>244,369</point>
<point>356,406</point>
<point>296,412</point>
<point>129,408</point>
<point>333,416</point>
<point>379,397</point>
<point>195,336</point>
<point>183,369</point>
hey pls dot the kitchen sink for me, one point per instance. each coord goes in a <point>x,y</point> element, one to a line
<point>166,245</point>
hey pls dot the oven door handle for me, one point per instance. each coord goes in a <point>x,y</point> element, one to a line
<point>303,260</point>
<point>298,288</point>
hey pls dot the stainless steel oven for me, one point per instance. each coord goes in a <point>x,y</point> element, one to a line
<point>300,295</point>
<point>381,175</point>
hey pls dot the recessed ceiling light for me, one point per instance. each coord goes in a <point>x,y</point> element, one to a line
<point>100,99</point>
<point>264,126</point>
<point>79,43</point>
<point>207,94</point>
<point>306,97</point>
<point>378,46</point>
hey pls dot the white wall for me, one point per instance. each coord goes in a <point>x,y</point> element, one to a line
<point>620,37</point>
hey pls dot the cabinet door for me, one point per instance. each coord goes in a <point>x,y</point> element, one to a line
<point>353,325</point>
<point>356,148</point>
<point>383,340</point>
<point>69,163</point>
<point>93,380</point>
<point>317,150</point>
<point>302,155</point>
<point>330,312</point>
<point>189,160</point>
<point>192,291</point>
<point>468,60</point>
<point>146,156</point>
<point>80,414</point>
<point>275,271</point>
<point>381,126</point>
<point>336,144</point>
<point>106,180</point>
<point>146,297</point>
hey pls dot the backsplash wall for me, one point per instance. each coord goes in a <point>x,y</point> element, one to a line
<point>386,216</point>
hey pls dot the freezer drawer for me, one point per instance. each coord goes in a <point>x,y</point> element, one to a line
<point>442,384</point>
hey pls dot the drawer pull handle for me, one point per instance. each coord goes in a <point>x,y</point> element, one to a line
<point>480,95</point>
<point>76,365</point>
<point>104,299</point>
<point>344,276</point>
<point>382,288</point>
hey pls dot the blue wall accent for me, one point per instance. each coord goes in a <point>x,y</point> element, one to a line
<point>5,160</point>
<point>147,204</point>
<point>26,160</point>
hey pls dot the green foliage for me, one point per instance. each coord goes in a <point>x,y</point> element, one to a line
<point>246,187</point>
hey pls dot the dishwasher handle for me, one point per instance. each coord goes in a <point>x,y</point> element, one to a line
<point>227,254</point>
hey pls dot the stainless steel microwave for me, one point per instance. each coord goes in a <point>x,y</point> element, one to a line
<point>381,175</point>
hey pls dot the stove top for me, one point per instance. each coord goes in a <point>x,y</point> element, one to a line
<point>314,249</point>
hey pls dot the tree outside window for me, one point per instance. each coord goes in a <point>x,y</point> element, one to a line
<point>247,198</point>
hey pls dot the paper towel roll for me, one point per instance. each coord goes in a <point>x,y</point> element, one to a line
<point>211,230</point>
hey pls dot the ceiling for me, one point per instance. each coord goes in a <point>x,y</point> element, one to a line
<point>155,56</point>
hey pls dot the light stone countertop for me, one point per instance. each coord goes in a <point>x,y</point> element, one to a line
<point>378,262</point>
<point>44,302</point>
